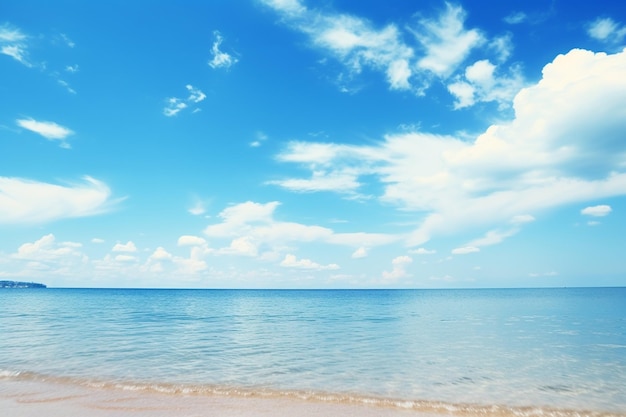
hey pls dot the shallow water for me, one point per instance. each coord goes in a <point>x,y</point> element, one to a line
<point>450,351</point>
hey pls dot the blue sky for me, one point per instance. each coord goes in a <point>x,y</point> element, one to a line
<point>295,144</point>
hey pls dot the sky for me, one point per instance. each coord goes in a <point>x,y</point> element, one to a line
<point>302,144</point>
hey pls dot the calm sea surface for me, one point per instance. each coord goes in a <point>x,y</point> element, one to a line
<point>543,348</point>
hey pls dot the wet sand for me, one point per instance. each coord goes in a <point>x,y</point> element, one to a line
<point>52,399</point>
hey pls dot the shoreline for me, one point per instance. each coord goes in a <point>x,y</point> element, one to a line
<point>32,395</point>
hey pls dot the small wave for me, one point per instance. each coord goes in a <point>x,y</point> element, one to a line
<point>419,406</point>
<point>6,374</point>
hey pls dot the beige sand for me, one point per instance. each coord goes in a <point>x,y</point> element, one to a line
<point>20,398</point>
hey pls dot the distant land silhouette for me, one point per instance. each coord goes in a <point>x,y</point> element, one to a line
<point>18,284</point>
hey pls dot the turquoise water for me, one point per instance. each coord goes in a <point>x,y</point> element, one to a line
<point>552,348</point>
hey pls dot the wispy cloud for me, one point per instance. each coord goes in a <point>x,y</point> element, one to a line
<point>28,201</point>
<point>547,156</point>
<point>464,250</point>
<point>516,18</point>
<point>174,104</point>
<point>49,130</point>
<point>410,55</point>
<point>606,30</point>
<point>13,44</point>
<point>220,59</point>
<point>259,139</point>
<point>446,41</point>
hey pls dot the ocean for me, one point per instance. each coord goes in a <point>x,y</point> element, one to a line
<point>126,352</point>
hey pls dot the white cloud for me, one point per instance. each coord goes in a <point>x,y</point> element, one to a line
<point>410,55</point>
<point>564,145</point>
<point>399,265</point>
<point>220,59</point>
<point>492,237</point>
<point>252,230</point>
<point>27,201</point>
<point>516,18</point>
<point>47,249</point>
<point>125,258</point>
<point>596,211</point>
<point>481,84</point>
<point>289,7</point>
<point>291,261</point>
<point>260,138</point>
<point>606,30</point>
<point>97,240</point>
<point>70,43</point>
<point>125,247</point>
<point>522,218</point>
<point>13,44</point>
<point>360,253</point>
<point>343,180</point>
<point>503,46</point>
<point>195,94</point>
<point>71,68</point>
<point>464,250</point>
<point>48,130</point>
<point>160,254</point>
<point>543,274</point>
<point>244,245</point>
<point>175,105</point>
<point>446,41</point>
<point>198,208</point>
<point>187,240</point>
<point>422,251</point>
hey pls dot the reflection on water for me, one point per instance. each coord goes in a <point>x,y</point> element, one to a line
<point>552,348</point>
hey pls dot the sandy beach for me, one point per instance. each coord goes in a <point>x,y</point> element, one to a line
<point>19,398</point>
<point>34,398</point>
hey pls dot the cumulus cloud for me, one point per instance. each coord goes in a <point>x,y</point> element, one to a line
<point>252,230</point>
<point>47,249</point>
<point>27,201</point>
<point>399,265</point>
<point>125,258</point>
<point>480,83</point>
<point>49,130</point>
<point>125,247</point>
<point>597,211</point>
<point>291,261</point>
<point>422,251</point>
<point>187,240</point>
<point>564,145</point>
<point>219,58</point>
<point>175,105</point>
<point>160,254</point>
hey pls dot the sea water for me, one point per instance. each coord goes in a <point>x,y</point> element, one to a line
<point>517,351</point>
